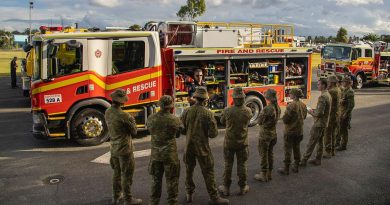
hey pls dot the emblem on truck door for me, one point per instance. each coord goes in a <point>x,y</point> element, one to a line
<point>98,53</point>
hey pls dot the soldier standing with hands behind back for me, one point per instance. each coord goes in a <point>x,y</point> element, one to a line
<point>199,126</point>
<point>164,127</point>
<point>332,129</point>
<point>347,105</point>
<point>121,127</point>
<point>268,118</point>
<point>293,118</point>
<point>236,118</point>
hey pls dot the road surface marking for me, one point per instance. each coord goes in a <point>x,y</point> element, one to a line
<point>105,158</point>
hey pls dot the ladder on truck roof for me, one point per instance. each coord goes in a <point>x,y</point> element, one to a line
<point>257,35</point>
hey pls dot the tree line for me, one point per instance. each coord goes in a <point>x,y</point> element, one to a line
<point>342,37</point>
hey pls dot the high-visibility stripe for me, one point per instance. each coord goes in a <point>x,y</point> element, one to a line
<point>96,80</point>
<point>133,80</point>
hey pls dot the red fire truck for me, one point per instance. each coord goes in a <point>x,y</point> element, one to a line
<point>367,62</point>
<point>76,72</point>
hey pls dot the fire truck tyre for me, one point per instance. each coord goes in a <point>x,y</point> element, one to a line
<point>255,104</point>
<point>359,81</point>
<point>89,128</point>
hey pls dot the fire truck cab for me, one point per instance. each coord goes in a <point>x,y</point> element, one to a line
<point>75,73</point>
<point>361,59</point>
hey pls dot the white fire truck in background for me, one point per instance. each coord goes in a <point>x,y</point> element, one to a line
<point>74,73</point>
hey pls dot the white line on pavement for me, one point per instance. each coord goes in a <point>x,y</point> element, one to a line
<point>105,158</point>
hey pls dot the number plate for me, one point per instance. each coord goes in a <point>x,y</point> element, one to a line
<point>57,98</point>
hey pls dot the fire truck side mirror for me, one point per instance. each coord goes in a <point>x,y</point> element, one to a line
<point>27,48</point>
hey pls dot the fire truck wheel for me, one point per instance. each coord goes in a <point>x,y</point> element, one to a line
<point>359,81</point>
<point>255,104</point>
<point>89,128</point>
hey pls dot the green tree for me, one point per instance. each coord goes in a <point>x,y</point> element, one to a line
<point>191,10</point>
<point>371,37</point>
<point>385,38</point>
<point>135,27</point>
<point>342,35</point>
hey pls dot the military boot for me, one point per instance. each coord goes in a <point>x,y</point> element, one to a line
<point>224,190</point>
<point>285,170</point>
<point>303,162</point>
<point>341,148</point>
<point>315,162</point>
<point>294,168</point>
<point>269,175</point>
<point>133,201</point>
<point>327,155</point>
<point>116,201</point>
<point>190,197</point>
<point>244,190</point>
<point>261,177</point>
<point>218,201</point>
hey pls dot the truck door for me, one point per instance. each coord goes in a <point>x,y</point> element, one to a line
<point>129,69</point>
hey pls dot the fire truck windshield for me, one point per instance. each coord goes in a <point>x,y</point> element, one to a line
<point>336,52</point>
<point>36,75</point>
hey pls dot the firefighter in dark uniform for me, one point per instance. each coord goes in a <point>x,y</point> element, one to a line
<point>14,66</point>
<point>198,81</point>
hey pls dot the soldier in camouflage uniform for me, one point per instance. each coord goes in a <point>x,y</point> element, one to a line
<point>347,105</point>
<point>337,137</point>
<point>321,121</point>
<point>236,118</point>
<point>293,118</point>
<point>200,125</point>
<point>121,127</point>
<point>267,136</point>
<point>332,130</point>
<point>164,127</point>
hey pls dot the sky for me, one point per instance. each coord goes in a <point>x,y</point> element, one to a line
<point>310,17</point>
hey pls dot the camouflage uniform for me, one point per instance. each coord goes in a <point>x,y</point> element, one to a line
<point>347,105</point>
<point>164,126</point>
<point>337,137</point>
<point>267,136</point>
<point>293,118</point>
<point>236,118</point>
<point>199,125</point>
<point>121,127</point>
<point>321,121</point>
<point>332,129</point>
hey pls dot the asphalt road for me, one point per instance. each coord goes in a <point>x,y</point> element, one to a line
<point>360,175</point>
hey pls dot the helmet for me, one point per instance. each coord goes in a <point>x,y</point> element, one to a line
<point>332,79</point>
<point>238,93</point>
<point>270,94</point>
<point>119,95</point>
<point>296,92</point>
<point>165,102</point>
<point>201,92</point>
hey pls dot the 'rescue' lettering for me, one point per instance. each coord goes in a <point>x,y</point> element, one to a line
<point>141,87</point>
<point>243,51</point>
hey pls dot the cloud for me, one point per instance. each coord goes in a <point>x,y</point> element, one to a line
<point>105,3</point>
<point>356,2</point>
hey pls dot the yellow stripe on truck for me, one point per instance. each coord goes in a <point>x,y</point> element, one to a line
<point>96,80</point>
<point>133,80</point>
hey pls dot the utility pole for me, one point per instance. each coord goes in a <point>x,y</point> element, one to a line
<point>31,7</point>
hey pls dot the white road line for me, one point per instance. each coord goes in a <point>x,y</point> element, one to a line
<point>105,158</point>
